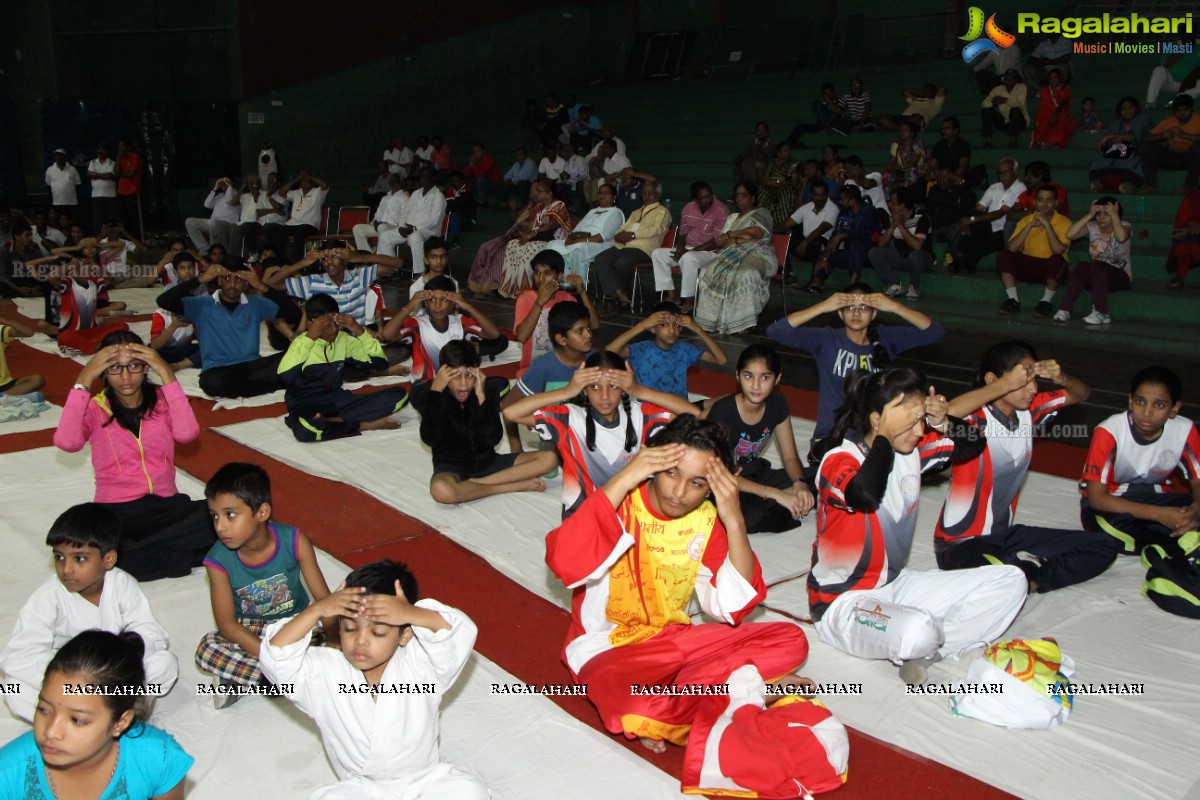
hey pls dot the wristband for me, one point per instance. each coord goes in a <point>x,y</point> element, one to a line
<point>87,389</point>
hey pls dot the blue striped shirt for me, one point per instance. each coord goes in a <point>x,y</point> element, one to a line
<point>351,296</point>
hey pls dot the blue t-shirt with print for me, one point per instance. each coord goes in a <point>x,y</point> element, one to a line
<point>546,374</point>
<point>664,370</point>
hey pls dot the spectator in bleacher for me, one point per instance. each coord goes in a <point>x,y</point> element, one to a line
<point>1108,268</point>
<point>487,267</point>
<point>824,108</point>
<point>129,185</point>
<point>948,201</point>
<point>258,208</point>
<point>515,184</point>
<point>305,197</point>
<point>1001,60</point>
<point>373,194</point>
<point>572,177</point>
<point>982,232</point>
<point>608,134</point>
<point>854,109</point>
<point>482,173</point>
<point>460,208</point>
<point>391,156</point>
<point>420,220</point>
<point>1037,174</point>
<point>441,158</point>
<point>584,130</point>
<point>553,164</point>
<point>735,286</point>
<point>780,180</point>
<point>1004,109</point>
<point>629,190</point>
<point>1176,70</point>
<point>387,214</point>
<point>641,234</point>
<point>423,155</point>
<point>17,280</point>
<point>1185,240</point>
<point>62,178</point>
<point>906,167</point>
<point>554,117</point>
<point>870,184</point>
<point>816,219</point>
<point>751,161</point>
<point>593,234</point>
<point>700,223</point>
<point>1052,52</point>
<point>552,223</point>
<point>224,203</point>
<point>1036,253</point>
<point>923,106</point>
<point>605,167</point>
<point>952,151</point>
<point>1089,117</point>
<point>811,176</point>
<point>1054,125</point>
<point>1172,144</point>
<point>903,245</point>
<point>102,172</point>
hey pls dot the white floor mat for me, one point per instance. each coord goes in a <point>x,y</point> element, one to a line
<point>523,746</point>
<point>43,421</point>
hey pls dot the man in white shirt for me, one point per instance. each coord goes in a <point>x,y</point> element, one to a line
<point>102,172</point>
<point>225,203</point>
<point>816,220</point>
<point>62,178</point>
<point>420,220</point>
<point>982,232</point>
<point>305,197</point>
<point>387,215</point>
<point>423,153</point>
<point>391,155</point>
<point>258,208</point>
<point>605,167</point>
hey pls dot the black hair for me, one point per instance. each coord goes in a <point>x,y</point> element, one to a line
<point>825,86</point>
<point>953,121</point>
<point>249,483</point>
<point>110,660</point>
<point>182,257</point>
<point>700,434</point>
<point>1183,101</point>
<point>1089,97</point>
<point>563,317</point>
<point>459,353</point>
<point>19,227</point>
<point>852,190</point>
<point>128,418</point>
<point>880,358</point>
<point>908,123</point>
<point>548,258</point>
<point>1001,357</point>
<point>435,243</point>
<point>868,392</point>
<point>1038,168</point>
<point>762,122</point>
<point>836,148</point>
<point>700,186</point>
<point>86,525</point>
<point>549,185</point>
<point>319,305</point>
<point>1108,199</point>
<point>379,577</point>
<point>1137,104</point>
<point>854,161</point>
<point>904,196</point>
<point>668,306</point>
<point>1047,187</point>
<point>751,188</point>
<point>224,249</point>
<point>759,352</point>
<point>1158,376</point>
<point>606,359</point>
<point>440,283</point>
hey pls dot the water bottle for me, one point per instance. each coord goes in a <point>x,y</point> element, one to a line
<point>1141,208</point>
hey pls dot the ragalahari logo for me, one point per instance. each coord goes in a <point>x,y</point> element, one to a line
<point>996,40</point>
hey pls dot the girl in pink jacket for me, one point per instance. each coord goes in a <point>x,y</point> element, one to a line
<point>132,426</point>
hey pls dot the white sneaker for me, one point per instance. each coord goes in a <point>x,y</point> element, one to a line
<point>1062,315</point>
<point>895,290</point>
<point>1097,318</point>
<point>913,293</point>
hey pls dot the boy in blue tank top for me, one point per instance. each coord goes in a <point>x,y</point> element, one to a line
<point>257,573</point>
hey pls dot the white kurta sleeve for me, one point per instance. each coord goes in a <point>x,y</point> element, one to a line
<point>448,650</point>
<point>289,665</point>
<point>133,613</point>
<point>729,599</point>
<point>31,645</point>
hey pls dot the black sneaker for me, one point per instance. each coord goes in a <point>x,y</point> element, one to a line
<point>1009,306</point>
<point>1043,309</point>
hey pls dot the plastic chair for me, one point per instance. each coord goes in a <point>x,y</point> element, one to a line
<point>668,241</point>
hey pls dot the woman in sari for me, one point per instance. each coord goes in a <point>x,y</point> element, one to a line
<point>778,194</point>
<point>735,285</point>
<point>551,222</point>
<point>486,269</point>
<point>1119,167</point>
<point>1054,125</point>
<point>907,165</point>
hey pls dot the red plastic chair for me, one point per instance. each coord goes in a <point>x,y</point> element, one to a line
<point>783,245</point>
<point>668,241</point>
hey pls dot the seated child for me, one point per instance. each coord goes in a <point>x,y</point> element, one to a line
<point>11,329</point>
<point>437,264</point>
<point>531,318</point>
<point>94,744</point>
<point>319,408</point>
<point>77,295</point>
<point>254,577</point>
<point>379,615</point>
<point>427,333</point>
<point>170,334</point>
<point>87,591</point>
<point>1089,119</point>
<point>460,421</point>
<point>164,270</point>
<point>662,362</point>
<point>1142,474</point>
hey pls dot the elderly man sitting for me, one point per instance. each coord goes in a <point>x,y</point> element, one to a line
<point>634,242</point>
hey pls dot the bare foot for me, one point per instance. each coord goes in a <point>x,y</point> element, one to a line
<point>532,485</point>
<point>385,424</point>
<point>653,745</point>
<point>1175,283</point>
<point>398,369</point>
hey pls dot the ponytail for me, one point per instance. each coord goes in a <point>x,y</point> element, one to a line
<point>867,393</point>
<point>589,424</point>
<point>631,437</point>
<point>880,357</point>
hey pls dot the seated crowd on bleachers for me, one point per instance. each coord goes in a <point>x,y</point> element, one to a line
<point>662,490</point>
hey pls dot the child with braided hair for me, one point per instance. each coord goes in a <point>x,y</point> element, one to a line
<point>597,422</point>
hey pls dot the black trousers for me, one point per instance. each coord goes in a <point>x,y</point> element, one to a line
<point>353,409</point>
<point>278,236</point>
<point>1067,557</point>
<point>763,515</point>
<point>162,537</point>
<point>1132,534</point>
<point>248,379</point>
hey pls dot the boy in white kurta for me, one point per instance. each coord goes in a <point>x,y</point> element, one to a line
<point>86,592</point>
<point>377,700</point>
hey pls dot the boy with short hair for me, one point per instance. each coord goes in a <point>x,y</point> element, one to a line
<point>254,577</point>
<point>437,263</point>
<point>532,314</point>
<point>379,615</point>
<point>319,409</point>
<point>170,334</point>
<point>10,330</point>
<point>87,591</point>
<point>1142,473</point>
<point>662,363</point>
<point>427,333</point>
